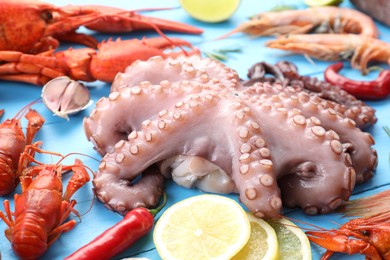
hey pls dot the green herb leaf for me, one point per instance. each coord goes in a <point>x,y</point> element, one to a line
<point>387,130</point>
<point>221,54</point>
<point>279,8</point>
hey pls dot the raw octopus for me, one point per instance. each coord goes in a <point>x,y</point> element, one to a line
<point>194,119</point>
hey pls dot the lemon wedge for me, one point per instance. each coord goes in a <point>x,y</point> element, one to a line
<point>210,11</point>
<point>202,227</point>
<point>262,243</point>
<point>293,242</point>
<point>322,2</point>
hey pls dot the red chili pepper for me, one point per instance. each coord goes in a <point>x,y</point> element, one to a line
<point>136,223</point>
<point>368,90</point>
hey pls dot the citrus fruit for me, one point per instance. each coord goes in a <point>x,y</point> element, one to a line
<point>262,243</point>
<point>202,227</point>
<point>293,242</point>
<point>322,2</point>
<point>210,11</point>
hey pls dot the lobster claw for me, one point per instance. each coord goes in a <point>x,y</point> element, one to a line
<point>88,64</point>
<point>115,56</point>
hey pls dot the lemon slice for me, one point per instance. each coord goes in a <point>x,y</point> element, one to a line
<point>213,11</point>
<point>202,227</point>
<point>293,242</point>
<point>262,243</point>
<point>322,2</point>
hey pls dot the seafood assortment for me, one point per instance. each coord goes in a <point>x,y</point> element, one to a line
<point>41,210</point>
<point>53,23</point>
<point>85,64</point>
<point>277,141</point>
<point>200,106</point>
<point>12,145</point>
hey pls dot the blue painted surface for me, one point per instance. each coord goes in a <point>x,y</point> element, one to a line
<point>68,136</point>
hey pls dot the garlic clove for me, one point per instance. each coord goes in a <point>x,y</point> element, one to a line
<point>64,96</point>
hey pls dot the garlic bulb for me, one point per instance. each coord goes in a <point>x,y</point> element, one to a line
<point>64,96</point>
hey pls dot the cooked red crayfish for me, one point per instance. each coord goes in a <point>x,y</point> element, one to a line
<point>368,234</point>
<point>41,210</point>
<point>43,24</point>
<point>12,144</point>
<point>85,64</point>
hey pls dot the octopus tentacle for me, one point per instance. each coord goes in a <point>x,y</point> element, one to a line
<point>357,143</point>
<point>123,194</point>
<point>278,124</point>
<point>137,100</point>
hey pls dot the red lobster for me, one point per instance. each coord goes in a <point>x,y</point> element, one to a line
<point>12,144</point>
<point>42,25</point>
<point>41,210</point>
<point>368,234</point>
<point>85,64</point>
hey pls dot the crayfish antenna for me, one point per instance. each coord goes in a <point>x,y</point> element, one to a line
<point>302,223</point>
<point>24,109</point>
<point>377,204</point>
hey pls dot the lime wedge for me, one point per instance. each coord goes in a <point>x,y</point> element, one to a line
<point>210,11</point>
<point>322,2</point>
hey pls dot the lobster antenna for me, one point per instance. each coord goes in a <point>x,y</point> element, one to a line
<point>155,27</point>
<point>152,9</point>
<point>24,109</point>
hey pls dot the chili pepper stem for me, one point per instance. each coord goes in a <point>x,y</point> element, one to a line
<point>155,211</point>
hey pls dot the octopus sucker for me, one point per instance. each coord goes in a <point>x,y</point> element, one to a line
<point>192,120</point>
